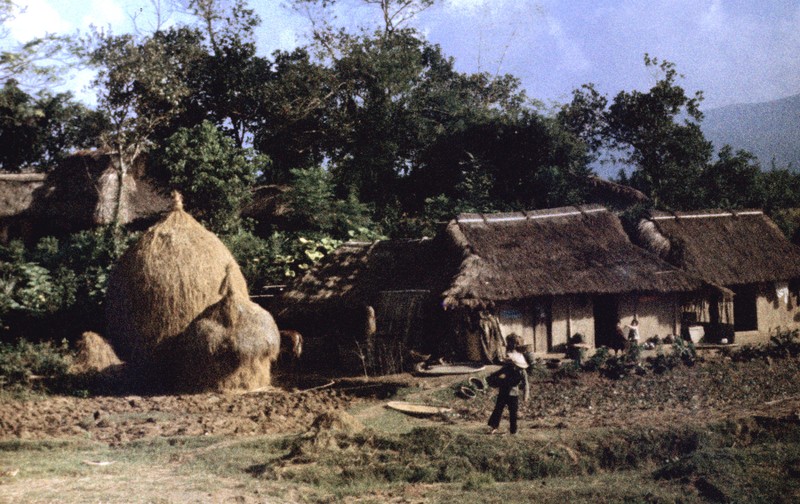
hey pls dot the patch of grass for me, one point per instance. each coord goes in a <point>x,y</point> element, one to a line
<point>746,460</point>
<point>758,473</point>
<point>441,455</point>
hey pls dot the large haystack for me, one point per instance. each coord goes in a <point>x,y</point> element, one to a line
<point>230,346</point>
<point>163,283</point>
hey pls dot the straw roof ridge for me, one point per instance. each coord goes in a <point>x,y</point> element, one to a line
<point>355,272</point>
<point>556,251</point>
<point>726,247</point>
<point>615,193</point>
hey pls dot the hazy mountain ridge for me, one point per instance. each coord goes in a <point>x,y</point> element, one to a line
<point>769,130</point>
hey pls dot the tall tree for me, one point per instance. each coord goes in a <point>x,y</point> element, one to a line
<point>657,132</point>
<point>37,131</point>
<point>141,85</point>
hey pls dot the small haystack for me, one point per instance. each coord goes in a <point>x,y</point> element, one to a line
<point>230,346</point>
<point>163,283</point>
<point>94,354</point>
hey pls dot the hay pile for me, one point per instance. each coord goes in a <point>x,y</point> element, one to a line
<point>170,280</point>
<point>94,354</point>
<point>230,346</point>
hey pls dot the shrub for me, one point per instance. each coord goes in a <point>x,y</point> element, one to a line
<point>783,343</point>
<point>596,361</point>
<point>58,280</point>
<point>684,351</point>
<point>21,362</point>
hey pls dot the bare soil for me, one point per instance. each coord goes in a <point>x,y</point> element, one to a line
<point>704,393</point>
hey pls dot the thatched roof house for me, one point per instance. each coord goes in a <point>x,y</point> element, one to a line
<point>742,250</point>
<point>548,275</point>
<point>396,281</point>
<point>544,275</point>
<point>80,193</point>
<point>357,271</point>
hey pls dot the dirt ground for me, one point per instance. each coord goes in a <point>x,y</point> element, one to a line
<point>703,393</point>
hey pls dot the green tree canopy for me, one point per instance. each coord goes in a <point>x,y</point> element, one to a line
<point>213,174</point>
<point>657,132</point>
<point>36,132</point>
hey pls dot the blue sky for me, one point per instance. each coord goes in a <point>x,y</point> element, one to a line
<point>734,51</point>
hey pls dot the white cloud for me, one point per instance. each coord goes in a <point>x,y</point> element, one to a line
<point>483,8</point>
<point>467,6</point>
<point>37,19</point>
<point>713,18</point>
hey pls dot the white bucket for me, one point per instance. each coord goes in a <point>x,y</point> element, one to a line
<point>696,333</point>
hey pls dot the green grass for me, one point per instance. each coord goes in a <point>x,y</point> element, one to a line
<point>751,460</point>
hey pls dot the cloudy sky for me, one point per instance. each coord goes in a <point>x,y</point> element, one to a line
<point>735,51</point>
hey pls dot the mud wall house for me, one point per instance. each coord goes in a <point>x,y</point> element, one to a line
<point>545,275</point>
<point>368,304</point>
<point>80,193</point>
<point>743,251</point>
<point>550,274</point>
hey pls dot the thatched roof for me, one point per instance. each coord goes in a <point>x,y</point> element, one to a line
<point>723,247</point>
<point>560,251</point>
<point>356,271</point>
<point>16,192</point>
<point>80,193</point>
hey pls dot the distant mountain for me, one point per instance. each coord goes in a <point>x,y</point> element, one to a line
<point>769,130</point>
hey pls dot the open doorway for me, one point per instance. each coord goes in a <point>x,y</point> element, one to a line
<point>745,313</point>
<point>606,314</point>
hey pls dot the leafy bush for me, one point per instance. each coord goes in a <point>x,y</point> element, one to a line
<point>59,280</point>
<point>214,176</point>
<point>685,351</point>
<point>315,208</point>
<point>783,343</point>
<point>598,360</point>
<point>21,362</point>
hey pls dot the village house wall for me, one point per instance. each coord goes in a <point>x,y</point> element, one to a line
<point>572,315</point>
<point>773,312</point>
<point>658,315</point>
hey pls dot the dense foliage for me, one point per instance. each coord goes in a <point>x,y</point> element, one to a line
<point>363,134</point>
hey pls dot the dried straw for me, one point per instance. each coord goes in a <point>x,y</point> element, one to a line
<point>94,354</point>
<point>230,346</point>
<point>163,282</point>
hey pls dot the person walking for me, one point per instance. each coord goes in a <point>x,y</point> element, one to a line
<point>512,382</point>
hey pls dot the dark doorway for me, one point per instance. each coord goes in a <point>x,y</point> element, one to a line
<point>605,320</point>
<point>745,315</point>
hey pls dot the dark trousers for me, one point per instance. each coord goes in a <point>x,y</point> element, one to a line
<point>504,400</point>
